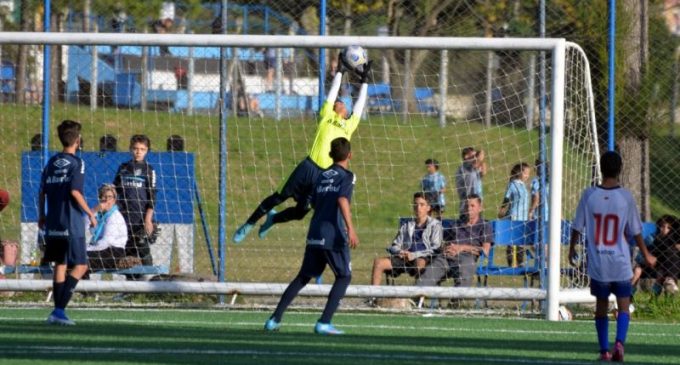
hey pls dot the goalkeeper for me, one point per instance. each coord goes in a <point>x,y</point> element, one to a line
<point>333,123</point>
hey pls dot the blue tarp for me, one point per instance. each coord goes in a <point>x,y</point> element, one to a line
<point>174,179</point>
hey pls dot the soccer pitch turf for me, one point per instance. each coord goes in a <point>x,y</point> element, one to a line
<point>164,336</point>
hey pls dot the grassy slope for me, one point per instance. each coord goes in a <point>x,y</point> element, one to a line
<point>388,161</point>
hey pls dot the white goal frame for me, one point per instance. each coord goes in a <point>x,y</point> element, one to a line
<point>557,49</point>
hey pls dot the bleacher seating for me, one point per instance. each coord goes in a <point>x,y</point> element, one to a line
<point>380,99</point>
<point>7,81</point>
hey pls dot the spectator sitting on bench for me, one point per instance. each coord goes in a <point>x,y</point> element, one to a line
<point>413,246</point>
<point>110,235</point>
<point>463,244</point>
<point>666,248</point>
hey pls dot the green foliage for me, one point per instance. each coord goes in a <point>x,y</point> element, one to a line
<point>650,306</point>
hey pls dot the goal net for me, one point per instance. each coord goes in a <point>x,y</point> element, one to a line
<point>427,99</point>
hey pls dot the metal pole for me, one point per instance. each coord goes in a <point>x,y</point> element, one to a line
<point>277,87</point>
<point>489,91</point>
<point>612,73</point>
<point>190,82</point>
<point>531,92</point>
<point>47,75</point>
<point>94,73</point>
<point>674,96</point>
<point>443,86</point>
<point>557,141</point>
<point>322,53</point>
<point>540,224</point>
<point>222,214</point>
<point>145,76</point>
<point>406,86</point>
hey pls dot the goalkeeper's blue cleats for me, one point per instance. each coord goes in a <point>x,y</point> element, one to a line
<point>271,325</point>
<point>326,329</point>
<point>58,317</point>
<point>242,232</point>
<point>267,225</point>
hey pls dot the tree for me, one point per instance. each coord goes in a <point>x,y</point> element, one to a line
<point>633,139</point>
<point>420,19</point>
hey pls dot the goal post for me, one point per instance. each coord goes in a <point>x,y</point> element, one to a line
<point>262,149</point>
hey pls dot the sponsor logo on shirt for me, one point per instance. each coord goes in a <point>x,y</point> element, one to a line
<point>133,182</point>
<point>326,189</point>
<point>61,163</point>
<point>329,174</point>
<point>320,242</point>
<point>57,179</point>
<point>57,233</point>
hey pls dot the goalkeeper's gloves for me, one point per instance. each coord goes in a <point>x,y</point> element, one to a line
<point>342,64</point>
<point>365,71</point>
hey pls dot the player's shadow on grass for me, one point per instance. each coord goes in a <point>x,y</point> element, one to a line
<point>181,344</point>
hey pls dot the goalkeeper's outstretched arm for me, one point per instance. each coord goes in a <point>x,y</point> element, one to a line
<point>363,92</point>
<point>361,100</point>
<point>335,87</point>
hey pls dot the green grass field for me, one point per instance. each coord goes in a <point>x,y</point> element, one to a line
<point>137,336</point>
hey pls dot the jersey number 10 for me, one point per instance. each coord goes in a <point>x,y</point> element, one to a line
<point>606,229</point>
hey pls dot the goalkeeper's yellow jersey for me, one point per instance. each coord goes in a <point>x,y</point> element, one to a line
<point>331,126</point>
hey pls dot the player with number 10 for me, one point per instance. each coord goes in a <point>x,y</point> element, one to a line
<point>608,217</point>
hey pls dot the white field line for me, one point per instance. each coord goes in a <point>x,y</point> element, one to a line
<point>436,329</point>
<point>303,312</point>
<point>81,350</point>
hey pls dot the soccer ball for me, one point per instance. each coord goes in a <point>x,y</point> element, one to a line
<point>565,314</point>
<point>670,286</point>
<point>355,57</point>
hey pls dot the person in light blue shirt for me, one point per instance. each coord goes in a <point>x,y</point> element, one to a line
<point>515,206</point>
<point>434,184</point>
<point>536,192</point>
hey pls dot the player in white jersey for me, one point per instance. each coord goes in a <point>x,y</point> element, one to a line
<point>608,217</point>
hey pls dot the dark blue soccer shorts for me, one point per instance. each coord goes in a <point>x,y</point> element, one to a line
<point>66,250</point>
<point>601,289</point>
<point>301,181</point>
<point>316,259</point>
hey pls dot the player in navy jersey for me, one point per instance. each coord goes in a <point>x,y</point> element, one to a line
<point>607,215</point>
<point>61,208</point>
<point>135,184</point>
<point>331,234</point>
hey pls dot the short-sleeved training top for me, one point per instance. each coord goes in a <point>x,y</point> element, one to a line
<point>328,228</point>
<point>63,173</point>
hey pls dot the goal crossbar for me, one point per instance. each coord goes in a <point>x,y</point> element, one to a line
<point>228,40</point>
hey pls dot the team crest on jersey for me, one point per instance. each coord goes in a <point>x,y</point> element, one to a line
<point>138,172</point>
<point>329,174</point>
<point>61,163</point>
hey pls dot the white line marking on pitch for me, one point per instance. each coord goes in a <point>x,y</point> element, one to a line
<point>148,322</point>
<point>35,350</point>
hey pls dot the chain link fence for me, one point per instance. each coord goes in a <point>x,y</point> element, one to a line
<point>647,61</point>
